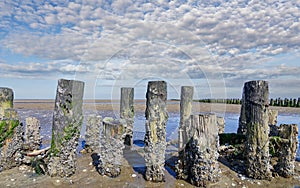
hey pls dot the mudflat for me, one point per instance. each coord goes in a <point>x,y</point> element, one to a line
<point>87,176</point>
<point>140,106</point>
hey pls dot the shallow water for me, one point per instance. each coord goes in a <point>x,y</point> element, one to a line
<point>45,117</point>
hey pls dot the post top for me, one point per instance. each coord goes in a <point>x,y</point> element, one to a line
<point>257,81</point>
<point>157,81</point>
<point>112,121</point>
<point>66,80</point>
<point>5,88</point>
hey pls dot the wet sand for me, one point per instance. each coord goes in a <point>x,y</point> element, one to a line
<point>139,106</point>
<point>86,176</point>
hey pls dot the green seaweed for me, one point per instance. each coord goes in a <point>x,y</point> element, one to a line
<point>5,105</point>
<point>70,131</point>
<point>53,149</point>
<point>38,165</point>
<point>7,129</point>
<point>3,124</point>
<point>274,145</point>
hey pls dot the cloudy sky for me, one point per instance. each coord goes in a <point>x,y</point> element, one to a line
<point>213,45</point>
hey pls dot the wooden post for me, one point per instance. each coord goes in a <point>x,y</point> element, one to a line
<point>272,122</point>
<point>6,100</point>
<point>94,127</point>
<point>242,129</point>
<point>287,151</point>
<point>221,124</point>
<point>186,100</point>
<point>11,131</point>
<point>127,112</point>
<point>67,122</point>
<point>32,133</point>
<point>11,143</point>
<point>111,148</point>
<point>155,137</point>
<point>202,151</point>
<point>273,114</point>
<point>256,101</point>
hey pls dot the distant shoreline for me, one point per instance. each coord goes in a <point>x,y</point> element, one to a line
<point>139,105</point>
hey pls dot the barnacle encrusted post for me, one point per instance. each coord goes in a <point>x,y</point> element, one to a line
<point>201,152</point>
<point>256,101</point>
<point>32,133</point>
<point>127,113</point>
<point>155,137</point>
<point>6,100</point>
<point>287,151</point>
<point>94,127</point>
<point>186,100</point>
<point>11,131</point>
<point>11,142</point>
<point>110,156</point>
<point>67,121</point>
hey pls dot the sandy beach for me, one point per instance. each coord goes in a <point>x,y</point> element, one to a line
<point>86,175</point>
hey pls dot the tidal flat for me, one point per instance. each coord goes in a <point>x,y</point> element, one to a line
<point>133,163</point>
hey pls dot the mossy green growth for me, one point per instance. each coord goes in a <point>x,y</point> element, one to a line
<point>7,129</point>
<point>5,105</point>
<point>38,165</point>
<point>128,113</point>
<point>274,145</point>
<point>53,149</point>
<point>70,131</point>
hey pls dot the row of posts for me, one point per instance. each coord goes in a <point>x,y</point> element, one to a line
<point>198,139</point>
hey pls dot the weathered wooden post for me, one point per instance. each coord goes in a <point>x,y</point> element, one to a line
<point>94,127</point>
<point>273,114</point>
<point>186,100</point>
<point>32,133</point>
<point>287,151</point>
<point>67,121</point>
<point>6,100</point>
<point>155,137</point>
<point>111,148</point>
<point>256,101</point>
<point>202,154</point>
<point>11,132</point>
<point>127,112</point>
<point>11,142</point>
<point>221,124</point>
<point>242,129</point>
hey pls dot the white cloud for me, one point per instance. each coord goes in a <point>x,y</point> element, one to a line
<point>234,38</point>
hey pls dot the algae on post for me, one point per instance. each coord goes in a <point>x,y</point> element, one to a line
<point>7,129</point>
